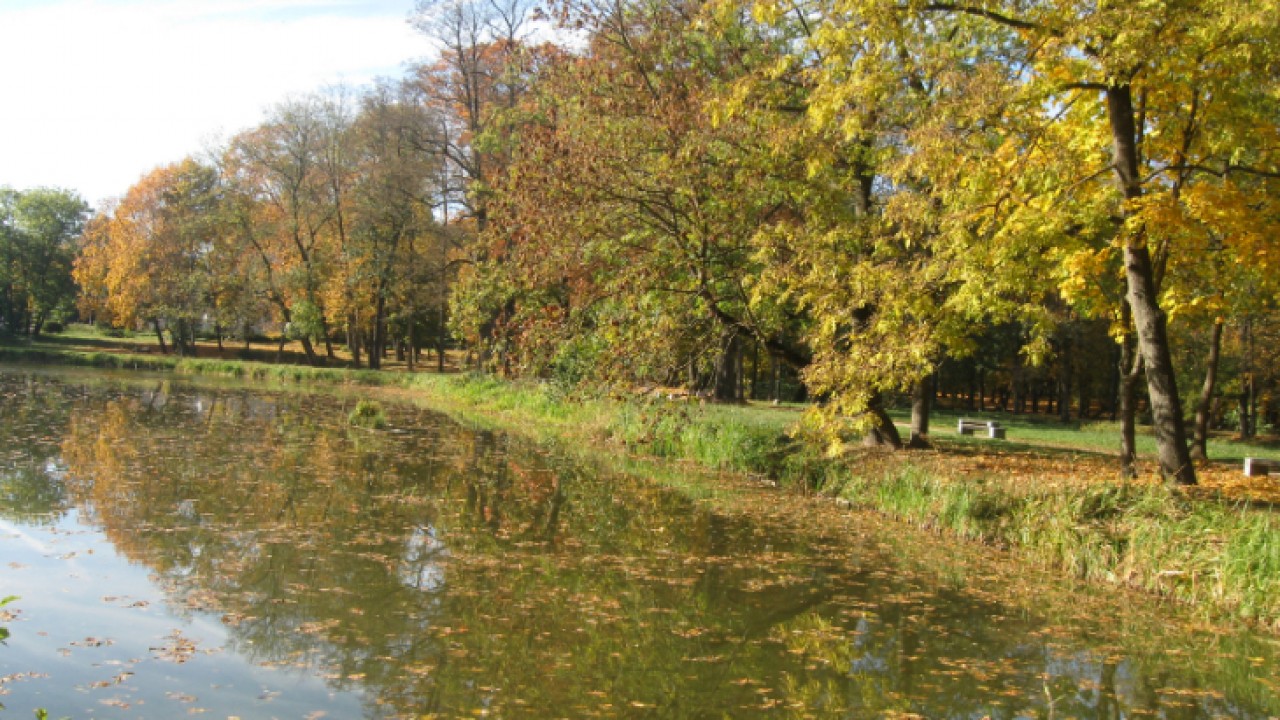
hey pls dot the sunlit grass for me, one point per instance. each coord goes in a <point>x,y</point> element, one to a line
<point>1221,556</point>
<point>1096,436</point>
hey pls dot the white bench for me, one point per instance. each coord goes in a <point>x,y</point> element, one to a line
<point>1253,467</point>
<point>992,428</point>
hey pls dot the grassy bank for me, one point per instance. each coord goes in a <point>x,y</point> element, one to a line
<point>1051,495</point>
<point>1219,555</point>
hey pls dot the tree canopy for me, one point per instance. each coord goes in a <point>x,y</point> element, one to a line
<point>1000,202</point>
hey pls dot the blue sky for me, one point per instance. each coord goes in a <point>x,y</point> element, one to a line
<point>96,93</point>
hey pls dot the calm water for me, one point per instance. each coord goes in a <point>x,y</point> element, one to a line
<point>184,549</point>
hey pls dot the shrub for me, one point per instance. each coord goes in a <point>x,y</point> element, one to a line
<point>368,414</point>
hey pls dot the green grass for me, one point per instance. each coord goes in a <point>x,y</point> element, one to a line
<point>1221,557</point>
<point>1094,436</point>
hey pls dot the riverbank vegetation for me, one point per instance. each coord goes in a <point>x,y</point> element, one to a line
<point>752,236</point>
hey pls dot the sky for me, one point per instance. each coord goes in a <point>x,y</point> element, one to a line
<point>97,93</point>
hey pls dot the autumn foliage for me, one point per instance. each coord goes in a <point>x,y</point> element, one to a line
<point>994,204</point>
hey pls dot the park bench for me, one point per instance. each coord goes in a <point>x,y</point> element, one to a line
<point>992,428</point>
<point>1254,467</point>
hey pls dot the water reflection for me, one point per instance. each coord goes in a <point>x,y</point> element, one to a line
<point>430,569</point>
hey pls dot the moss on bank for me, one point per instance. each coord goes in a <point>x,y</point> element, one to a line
<point>1222,557</point>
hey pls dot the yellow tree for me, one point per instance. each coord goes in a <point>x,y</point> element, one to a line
<point>1150,135</point>
<point>840,104</point>
<point>145,259</point>
<point>290,184</point>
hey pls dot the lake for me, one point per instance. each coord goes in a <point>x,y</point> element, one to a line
<point>200,548</point>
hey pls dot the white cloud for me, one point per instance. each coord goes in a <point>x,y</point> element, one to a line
<point>99,92</point>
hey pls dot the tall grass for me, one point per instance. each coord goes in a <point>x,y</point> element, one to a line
<point>1218,556</point>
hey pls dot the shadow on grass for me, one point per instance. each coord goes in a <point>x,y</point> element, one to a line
<point>71,342</point>
<point>80,343</point>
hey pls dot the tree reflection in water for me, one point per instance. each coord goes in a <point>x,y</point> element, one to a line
<point>438,569</point>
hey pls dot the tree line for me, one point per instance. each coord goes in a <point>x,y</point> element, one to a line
<point>852,202</point>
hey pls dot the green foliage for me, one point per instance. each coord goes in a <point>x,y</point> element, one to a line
<point>38,234</point>
<point>4,631</point>
<point>307,321</point>
<point>368,414</point>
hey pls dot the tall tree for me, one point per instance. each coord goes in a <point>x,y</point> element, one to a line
<point>392,213</point>
<point>481,72</point>
<point>289,167</point>
<point>1143,129</point>
<point>145,259</point>
<point>39,230</point>
<point>617,249</point>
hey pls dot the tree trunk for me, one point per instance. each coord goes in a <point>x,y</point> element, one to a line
<point>328,344</point>
<point>310,350</point>
<point>379,334</point>
<point>1064,380</point>
<point>442,337</point>
<point>726,381</point>
<point>176,335</point>
<point>1117,372</point>
<point>1084,398</point>
<point>413,349</point>
<point>1019,386</point>
<point>1162,388</point>
<point>353,341</point>
<point>159,336</point>
<point>740,373</point>
<point>1129,369</point>
<point>883,431</point>
<point>1200,437</point>
<point>1245,405</point>
<point>921,395</point>
<point>970,403</point>
<point>1149,320</point>
<point>755,371</point>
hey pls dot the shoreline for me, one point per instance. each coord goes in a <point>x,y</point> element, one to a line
<point>1205,550</point>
